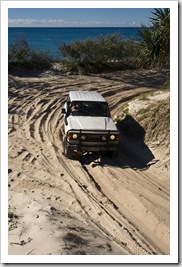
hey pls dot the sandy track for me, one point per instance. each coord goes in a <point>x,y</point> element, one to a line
<point>92,204</point>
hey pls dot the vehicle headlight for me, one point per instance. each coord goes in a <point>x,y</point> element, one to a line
<point>83,137</point>
<point>112,137</point>
<point>74,136</point>
<point>104,138</point>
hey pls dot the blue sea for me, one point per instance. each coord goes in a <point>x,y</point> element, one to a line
<point>50,38</point>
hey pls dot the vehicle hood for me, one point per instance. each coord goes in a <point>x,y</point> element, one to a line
<point>91,123</point>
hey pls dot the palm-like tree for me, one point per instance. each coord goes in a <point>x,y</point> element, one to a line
<point>154,45</point>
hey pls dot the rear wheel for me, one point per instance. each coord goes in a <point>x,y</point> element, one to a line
<point>68,152</point>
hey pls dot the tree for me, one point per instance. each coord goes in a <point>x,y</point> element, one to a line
<point>154,45</point>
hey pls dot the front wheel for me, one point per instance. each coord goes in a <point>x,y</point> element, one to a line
<point>68,152</point>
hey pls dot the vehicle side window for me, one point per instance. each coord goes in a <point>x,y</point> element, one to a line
<point>76,108</point>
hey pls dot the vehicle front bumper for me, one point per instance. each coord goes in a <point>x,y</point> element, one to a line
<point>93,148</point>
<point>93,142</point>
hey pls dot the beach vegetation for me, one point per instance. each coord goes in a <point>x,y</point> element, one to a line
<point>12,219</point>
<point>167,82</point>
<point>21,54</point>
<point>112,52</point>
<point>153,49</point>
<point>109,52</point>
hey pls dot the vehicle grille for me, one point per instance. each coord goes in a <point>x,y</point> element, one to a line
<point>94,137</point>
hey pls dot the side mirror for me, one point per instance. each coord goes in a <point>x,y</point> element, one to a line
<point>63,111</point>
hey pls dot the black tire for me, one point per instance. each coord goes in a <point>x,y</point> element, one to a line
<point>68,152</point>
<point>113,154</point>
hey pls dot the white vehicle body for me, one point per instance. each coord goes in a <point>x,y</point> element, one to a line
<point>88,125</point>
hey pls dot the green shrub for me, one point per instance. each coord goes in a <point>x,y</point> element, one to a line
<point>95,55</point>
<point>20,54</point>
<point>167,82</point>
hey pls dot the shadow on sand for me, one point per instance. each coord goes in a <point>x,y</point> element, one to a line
<point>133,152</point>
<point>139,78</point>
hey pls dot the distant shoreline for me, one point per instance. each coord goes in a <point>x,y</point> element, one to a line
<point>116,27</point>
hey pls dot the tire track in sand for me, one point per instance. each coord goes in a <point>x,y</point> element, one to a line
<point>109,195</point>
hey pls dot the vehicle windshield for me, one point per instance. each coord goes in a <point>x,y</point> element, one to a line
<point>98,109</point>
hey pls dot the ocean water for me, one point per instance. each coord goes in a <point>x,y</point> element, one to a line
<point>50,38</point>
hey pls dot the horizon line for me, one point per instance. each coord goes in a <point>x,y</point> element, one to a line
<point>75,26</point>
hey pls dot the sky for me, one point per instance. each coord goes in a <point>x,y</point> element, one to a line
<point>78,17</point>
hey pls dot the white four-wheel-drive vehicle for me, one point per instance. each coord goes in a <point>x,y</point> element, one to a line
<point>88,125</point>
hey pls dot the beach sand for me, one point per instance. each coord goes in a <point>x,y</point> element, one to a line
<point>93,204</point>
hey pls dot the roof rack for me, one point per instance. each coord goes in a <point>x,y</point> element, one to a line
<point>86,96</point>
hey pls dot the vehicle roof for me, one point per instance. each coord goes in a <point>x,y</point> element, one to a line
<point>86,96</point>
